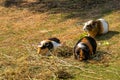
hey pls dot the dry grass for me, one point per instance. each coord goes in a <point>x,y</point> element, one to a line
<point>21,30</point>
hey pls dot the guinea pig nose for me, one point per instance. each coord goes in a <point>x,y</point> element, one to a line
<point>83,28</point>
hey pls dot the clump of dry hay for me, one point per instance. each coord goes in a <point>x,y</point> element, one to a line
<point>63,51</point>
<point>62,74</point>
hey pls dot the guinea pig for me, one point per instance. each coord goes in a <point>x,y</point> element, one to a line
<point>48,45</point>
<point>85,48</point>
<point>96,27</point>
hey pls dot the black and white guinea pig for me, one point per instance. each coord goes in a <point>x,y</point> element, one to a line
<point>85,48</point>
<point>48,45</point>
<point>96,27</point>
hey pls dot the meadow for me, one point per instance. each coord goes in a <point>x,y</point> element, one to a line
<point>23,25</point>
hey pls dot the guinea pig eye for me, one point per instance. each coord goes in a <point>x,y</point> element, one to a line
<point>47,44</point>
<point>94,23</point>
<point>88,26</point>
<point>91,26</point>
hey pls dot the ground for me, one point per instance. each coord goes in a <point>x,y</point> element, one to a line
<point>23,27</point>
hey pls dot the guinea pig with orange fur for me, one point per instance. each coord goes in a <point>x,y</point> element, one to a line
<point>85,48</point>
<point>96,27</point>
<point>48,45</point>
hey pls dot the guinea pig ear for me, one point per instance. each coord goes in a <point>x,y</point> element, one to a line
<point>95,23</point>
<point>47,44</point>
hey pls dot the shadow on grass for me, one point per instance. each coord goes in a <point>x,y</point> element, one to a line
<point>64,51</point>
<point>62,74</point>
<point>107,36</point>
<point>85,9</point>
<point>101,57</point>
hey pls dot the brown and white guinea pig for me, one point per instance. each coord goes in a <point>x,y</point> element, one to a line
<point>48,45</point>
<point>85,48</point>
<point>96,27</point>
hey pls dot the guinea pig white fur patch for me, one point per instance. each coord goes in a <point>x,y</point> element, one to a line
<point>105,25</point>
<point>55,44</point>
<point>81,45</point>
<point>87,23</point>
<point>41,43</point>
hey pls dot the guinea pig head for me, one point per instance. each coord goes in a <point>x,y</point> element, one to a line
<point>44,46</point>
<point>82,53</point>
<point>90,25</point>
